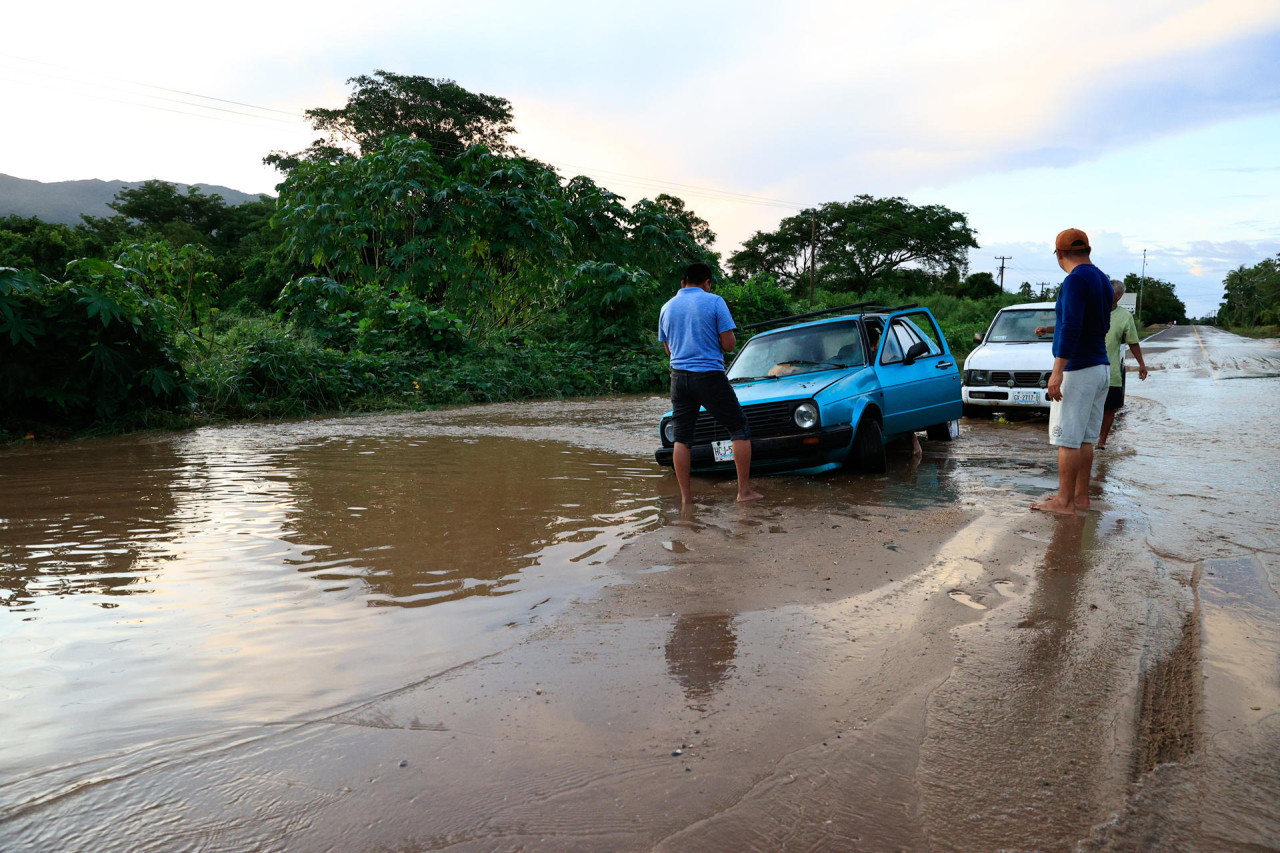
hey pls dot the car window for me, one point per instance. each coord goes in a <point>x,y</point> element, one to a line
<point>822,346</point>
<point>925,330</point>
<point>907,330</point>
<point>1019,327</point>
<point>892,353</point>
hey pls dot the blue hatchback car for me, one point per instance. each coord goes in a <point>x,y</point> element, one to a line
<point>831,392</point>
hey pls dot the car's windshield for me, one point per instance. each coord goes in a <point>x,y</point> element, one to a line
<point>826,346</point>
<point>1019,327</point>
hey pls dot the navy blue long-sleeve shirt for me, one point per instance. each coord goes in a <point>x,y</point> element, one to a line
<point>1083,316</point>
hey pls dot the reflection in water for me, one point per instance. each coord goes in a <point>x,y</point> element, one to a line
<point>422,522</point>
<point>104,542</point>
<point>262,549</point>
<point>918,483</point>
<point>700,653</point>
<point>1052,611</point>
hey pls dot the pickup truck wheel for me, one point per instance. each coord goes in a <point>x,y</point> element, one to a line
<point>944,432</point>
<point>867,453</point>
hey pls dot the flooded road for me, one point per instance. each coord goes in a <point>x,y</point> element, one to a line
<point>490,629</point>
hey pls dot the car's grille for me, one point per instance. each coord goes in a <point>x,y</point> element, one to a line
<point>766,420</point>
<point>1021,378</point>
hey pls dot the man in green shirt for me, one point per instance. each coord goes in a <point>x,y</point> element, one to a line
<point>1123,331</point>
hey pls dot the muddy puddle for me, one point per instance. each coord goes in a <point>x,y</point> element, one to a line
<point>493,628</point>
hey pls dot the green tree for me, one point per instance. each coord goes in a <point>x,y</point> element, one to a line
<point>501,241</point>
<point>979,285</point>
<point>856,243</point>
<point>1251,295</point>
<point>28,243</point>
<point>698,229</point>
<point>1026,292</point>
<point>240,238</point>
<point>485,238</point>
<point>436,111</point>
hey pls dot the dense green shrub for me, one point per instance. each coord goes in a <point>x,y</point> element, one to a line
<point>755,300</point>
<point>611,303</point>
<point>93,348</point>
<point>262,367</point>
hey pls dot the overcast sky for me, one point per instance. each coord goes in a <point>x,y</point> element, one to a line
<point>1151,125</point>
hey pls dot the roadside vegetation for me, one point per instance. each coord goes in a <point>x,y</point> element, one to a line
<point>1251,303</point>
<point>415,257</point>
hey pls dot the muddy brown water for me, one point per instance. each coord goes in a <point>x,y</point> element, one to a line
<point>492,629</point>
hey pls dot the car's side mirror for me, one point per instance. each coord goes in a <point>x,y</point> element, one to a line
<point>977,337</point>
<point>918,349</point>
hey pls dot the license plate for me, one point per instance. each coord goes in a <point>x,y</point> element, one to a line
<point>722,451</point>
<point>1028,397</point>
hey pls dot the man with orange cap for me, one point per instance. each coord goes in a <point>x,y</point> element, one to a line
<point>1081,371</point>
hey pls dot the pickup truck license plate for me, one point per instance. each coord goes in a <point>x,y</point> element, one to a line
<point>722,451</point>
<point>1028,397</point>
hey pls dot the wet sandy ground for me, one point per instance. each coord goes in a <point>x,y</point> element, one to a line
<point>910,662</point>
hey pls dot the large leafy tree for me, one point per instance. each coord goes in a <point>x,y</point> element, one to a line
<point>437,111</point>
<point>1251,295</point>
<point>500,241</point>
<point>237,236</point>
<point>853,244</point>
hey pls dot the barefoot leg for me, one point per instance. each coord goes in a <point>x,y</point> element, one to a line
<point>1068,467</point>
<point>1083,475</point>
<point>682,461</point>
<point>742,462</point>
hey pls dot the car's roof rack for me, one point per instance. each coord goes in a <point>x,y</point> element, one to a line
<point>861,307</point>
<point>879,309</point>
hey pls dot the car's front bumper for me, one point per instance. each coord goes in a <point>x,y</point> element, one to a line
<point>997,397</point>
<point>802,450</point>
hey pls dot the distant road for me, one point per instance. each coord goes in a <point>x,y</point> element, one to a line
<point>1208,350</point>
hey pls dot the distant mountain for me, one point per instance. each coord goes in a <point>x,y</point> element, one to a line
<point>65,201</point>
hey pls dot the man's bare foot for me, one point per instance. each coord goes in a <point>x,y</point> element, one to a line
<point>1055,504</point>
<point>753,495</point>
<point>1081,503</point>
<point>915,446</point>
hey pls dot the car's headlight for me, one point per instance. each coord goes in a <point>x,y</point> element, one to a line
<point>977,377</point>
<point>806,415</point>
<point>669,430</point>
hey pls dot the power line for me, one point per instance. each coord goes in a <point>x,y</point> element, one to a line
<point>160,108</point>
<point>64,69</point>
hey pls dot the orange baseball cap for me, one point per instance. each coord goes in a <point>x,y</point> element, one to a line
<point>1073,239</point>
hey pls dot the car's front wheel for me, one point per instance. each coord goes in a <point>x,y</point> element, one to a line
<point>944,432</point>
<point>867,453</point>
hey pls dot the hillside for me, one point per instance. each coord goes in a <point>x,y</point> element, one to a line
<point>65,201</point>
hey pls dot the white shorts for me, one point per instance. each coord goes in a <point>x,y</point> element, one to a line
<point>1076,419</point>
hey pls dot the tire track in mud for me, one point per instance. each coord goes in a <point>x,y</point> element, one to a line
<point>1168,726</point>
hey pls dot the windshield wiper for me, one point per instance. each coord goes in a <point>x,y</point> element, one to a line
<point>750,379</point>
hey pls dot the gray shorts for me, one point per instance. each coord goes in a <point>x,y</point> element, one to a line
<point>1076,419</point>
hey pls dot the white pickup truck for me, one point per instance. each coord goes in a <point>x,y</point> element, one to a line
<point>1010,369</point>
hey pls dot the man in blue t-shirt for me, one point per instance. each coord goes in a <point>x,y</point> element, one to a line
<point>1081,371</point>
<point>697,330</point>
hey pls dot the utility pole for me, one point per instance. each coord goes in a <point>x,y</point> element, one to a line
<point>1141,284</point>
<point>813,250</point>
<point>1002,259</point>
